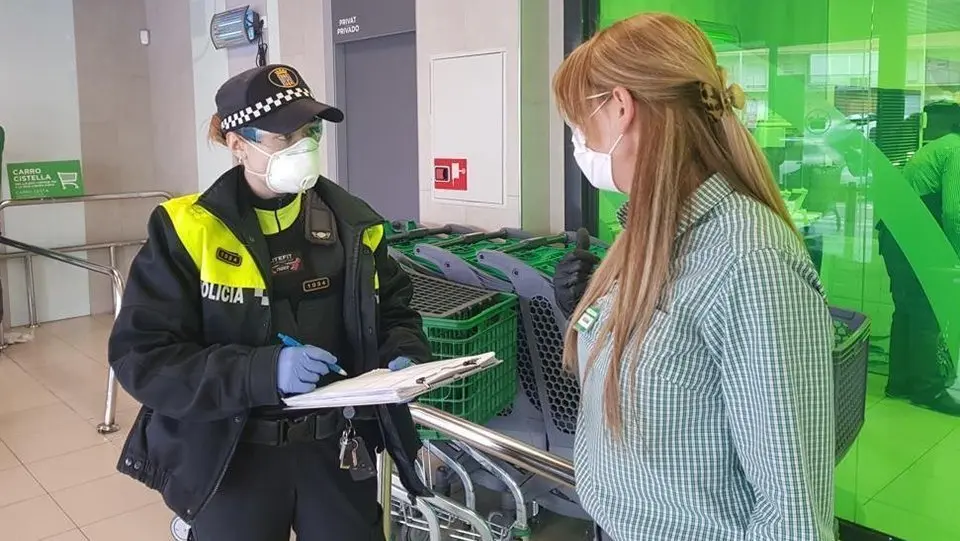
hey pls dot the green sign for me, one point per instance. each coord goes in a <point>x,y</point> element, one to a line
<point>41,180</point>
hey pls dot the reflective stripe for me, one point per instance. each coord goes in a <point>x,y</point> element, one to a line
<point>372,237</point>
<point>285,215</point>
<point>220,257</point>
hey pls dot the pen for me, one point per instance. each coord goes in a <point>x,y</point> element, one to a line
<point>293,343</point>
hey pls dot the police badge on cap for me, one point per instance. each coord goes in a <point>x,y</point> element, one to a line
<point>272,98</point>
<point>284,77</point>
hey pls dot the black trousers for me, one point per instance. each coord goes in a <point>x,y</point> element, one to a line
<point>915,369</point>
<point>268,490</point>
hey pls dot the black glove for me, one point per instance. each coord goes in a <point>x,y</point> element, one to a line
<point>573,273</point>
<point>622,214</point>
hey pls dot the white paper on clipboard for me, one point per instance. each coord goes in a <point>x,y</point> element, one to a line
<point>386,387</point>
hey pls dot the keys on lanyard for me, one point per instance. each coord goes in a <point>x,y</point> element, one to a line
<point>348,449</point>
<point>354,455</point>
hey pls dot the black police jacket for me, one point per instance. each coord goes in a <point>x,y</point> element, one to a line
<point>192,342</point>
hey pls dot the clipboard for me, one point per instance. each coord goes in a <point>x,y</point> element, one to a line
<point>385,387</point>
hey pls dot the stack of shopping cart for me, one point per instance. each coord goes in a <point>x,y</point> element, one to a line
<point>541,409</point>
<point>544,410</point>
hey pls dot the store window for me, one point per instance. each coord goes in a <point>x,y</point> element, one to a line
<point>854,103</point>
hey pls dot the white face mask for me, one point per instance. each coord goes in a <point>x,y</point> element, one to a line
<point>293,169</point>
<point>596,166</point>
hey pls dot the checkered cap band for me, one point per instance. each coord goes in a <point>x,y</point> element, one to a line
<point>255,111</point>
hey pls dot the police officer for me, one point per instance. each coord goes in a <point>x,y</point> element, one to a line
<point>270,248</point>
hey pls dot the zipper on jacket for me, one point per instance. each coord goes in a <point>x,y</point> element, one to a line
<point>358,249</point>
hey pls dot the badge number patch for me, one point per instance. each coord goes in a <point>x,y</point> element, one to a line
<point>228,257</point>
<point>316,284</point>
<point>587,320</point>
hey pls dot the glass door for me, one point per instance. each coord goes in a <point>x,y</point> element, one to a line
<point>844,97</point>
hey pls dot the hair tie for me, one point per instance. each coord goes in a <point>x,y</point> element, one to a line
<point>736,96</point>
<point>716,103</point>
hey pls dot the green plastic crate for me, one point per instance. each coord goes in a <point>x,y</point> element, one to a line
<point>545,258</point>
<point>460,321</point>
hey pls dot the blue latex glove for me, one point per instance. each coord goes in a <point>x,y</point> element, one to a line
<point>300,368</point>
<point>399,364</point>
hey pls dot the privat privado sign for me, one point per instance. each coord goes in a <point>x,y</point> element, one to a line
<point>347,25</point>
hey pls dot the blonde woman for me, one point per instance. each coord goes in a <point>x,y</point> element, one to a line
<point>703,341</point>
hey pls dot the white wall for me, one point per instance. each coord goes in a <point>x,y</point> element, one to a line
<point>531,34</point>
<point>210,70</point>
<point>449,27</point>
<point>39,109</point>
<point>541,128</point>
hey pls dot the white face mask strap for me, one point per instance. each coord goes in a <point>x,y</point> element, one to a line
<point>615,144</point>
<point>261,174</point>
<point>609,96</point>
<point>260,150</point>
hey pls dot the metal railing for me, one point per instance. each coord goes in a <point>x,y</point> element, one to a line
<point>109,417</point>
<point>109,424</point>
<point>28,270</point>
<point>84,199</point>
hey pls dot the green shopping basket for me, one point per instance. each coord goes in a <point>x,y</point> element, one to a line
<point>459,321</point>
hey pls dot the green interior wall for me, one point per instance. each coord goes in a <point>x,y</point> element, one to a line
<point>852,269</point>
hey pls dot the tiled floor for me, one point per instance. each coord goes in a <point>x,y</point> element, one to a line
<point>902,476</point>
<point>58,481</point>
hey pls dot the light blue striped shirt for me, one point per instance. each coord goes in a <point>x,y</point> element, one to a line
<point>729,433</point>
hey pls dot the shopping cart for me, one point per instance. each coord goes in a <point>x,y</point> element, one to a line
<point>402,239</point>
<point>446,518</point>
<point>462,260</point>
<point>456,258</point>
<point>544,411</point>
<point>69,180</point>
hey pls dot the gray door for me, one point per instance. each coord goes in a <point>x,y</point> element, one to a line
<point>378,153</point>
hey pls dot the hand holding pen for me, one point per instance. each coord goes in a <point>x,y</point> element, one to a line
<point>300,367</point>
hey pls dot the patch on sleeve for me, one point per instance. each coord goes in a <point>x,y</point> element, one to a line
<point>587,320</point>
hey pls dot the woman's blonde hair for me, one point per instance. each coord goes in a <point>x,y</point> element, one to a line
<point>686,132</point>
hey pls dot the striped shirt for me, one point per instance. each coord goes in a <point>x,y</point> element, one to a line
<point>729,431</point>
